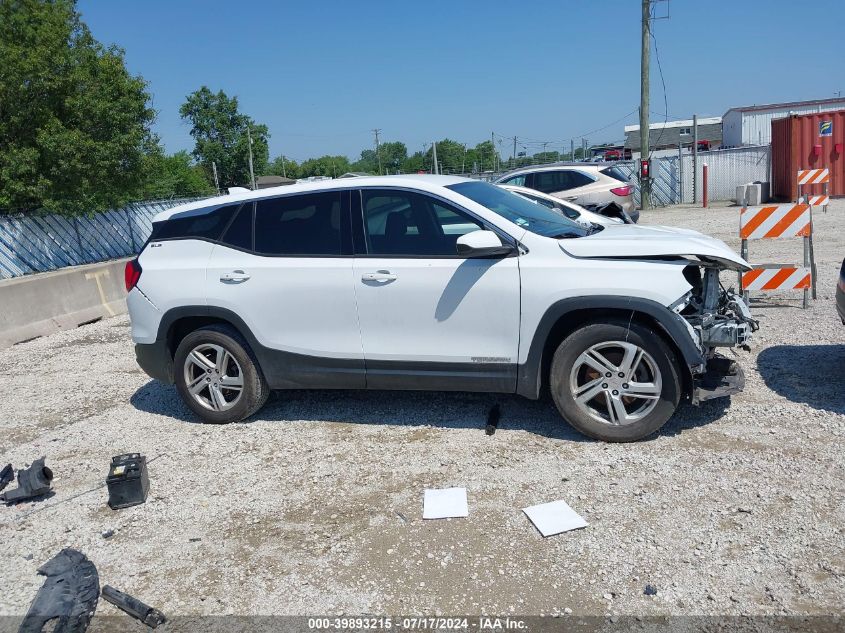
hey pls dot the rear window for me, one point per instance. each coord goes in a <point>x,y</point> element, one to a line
<point>202,226</point>
<point>615,172</point>
<point>299,225</point>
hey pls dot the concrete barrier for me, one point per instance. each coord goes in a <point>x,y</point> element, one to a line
<point>40,304</point>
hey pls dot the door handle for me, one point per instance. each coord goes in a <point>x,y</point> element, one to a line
<point>236,276</point>
<point>382,275</point>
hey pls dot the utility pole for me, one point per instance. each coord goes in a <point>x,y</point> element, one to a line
<point>434,157</point>
<point>694,158</point>
<point>284,175</point>
<point>378,154</point>
<point>544,151</point>
<point>645,58</point>
<point>493,145</point>
<point>514,151</point>
<point>572,149</point>
<point>251,172</point>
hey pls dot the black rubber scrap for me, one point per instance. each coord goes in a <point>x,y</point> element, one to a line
<point>69,595</point>
<point>493,419</point>
<point>6,476</point>
<point>34,481</point>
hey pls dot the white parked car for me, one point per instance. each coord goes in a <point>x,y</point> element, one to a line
<point>432,283</point>
<point>569,209</point>
<point>581,183</point>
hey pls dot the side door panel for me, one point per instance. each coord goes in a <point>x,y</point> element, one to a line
<point>429,319</point>
<point>295,293</point>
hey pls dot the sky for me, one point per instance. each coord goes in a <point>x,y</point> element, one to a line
<point>322,75</point>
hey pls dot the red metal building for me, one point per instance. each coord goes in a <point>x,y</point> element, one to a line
<point>808,141</point>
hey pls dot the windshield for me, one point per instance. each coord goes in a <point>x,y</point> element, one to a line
<point>521,211</point>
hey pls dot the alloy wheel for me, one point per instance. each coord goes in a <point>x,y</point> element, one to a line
<point>616,382</point>
<point>213,377</point>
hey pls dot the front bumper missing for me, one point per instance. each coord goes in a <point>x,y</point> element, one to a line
<point>722,377</point>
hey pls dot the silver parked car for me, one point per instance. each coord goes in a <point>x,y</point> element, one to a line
<point>582,183</point>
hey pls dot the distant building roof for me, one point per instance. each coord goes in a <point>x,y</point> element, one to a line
<point>674,133</point>
<point>788,104</point>
<point>264,182</point>
<point>670,124</point>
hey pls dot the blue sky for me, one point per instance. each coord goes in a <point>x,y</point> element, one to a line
<point>323,74</point>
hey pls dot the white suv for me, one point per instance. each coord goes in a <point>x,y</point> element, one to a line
<point>432,283</point>
<point>581,183</point>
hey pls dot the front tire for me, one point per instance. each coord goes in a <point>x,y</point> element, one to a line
<point>217,375</point>
<point>615,381</point>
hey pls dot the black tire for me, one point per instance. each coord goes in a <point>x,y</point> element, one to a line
<point>585,337</point>
<point>255,390</point>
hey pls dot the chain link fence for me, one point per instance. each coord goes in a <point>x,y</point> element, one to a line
<point>34,243</point>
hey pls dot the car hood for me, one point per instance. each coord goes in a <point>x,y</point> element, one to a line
<point>630,241</point>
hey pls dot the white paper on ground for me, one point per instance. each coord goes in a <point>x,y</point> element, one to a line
<point>554,518</point>
<point>445,503</point>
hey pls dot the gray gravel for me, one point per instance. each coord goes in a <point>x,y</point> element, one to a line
<point>314,506</point>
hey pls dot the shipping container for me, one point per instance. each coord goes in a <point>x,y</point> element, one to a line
<point>808,141</point>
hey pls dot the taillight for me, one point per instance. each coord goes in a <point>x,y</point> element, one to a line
<point>622,191</point>
<point>131,274</point>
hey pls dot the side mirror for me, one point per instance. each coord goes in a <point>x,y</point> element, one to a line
<point>482,244</point>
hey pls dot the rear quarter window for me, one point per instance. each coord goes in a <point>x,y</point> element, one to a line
<point>615,172</point>
<point>203,226</point>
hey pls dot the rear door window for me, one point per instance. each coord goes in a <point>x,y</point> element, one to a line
<point>577,179</point>
<point>239,233</point>
<point>551,181</point>
<point>304,225</point>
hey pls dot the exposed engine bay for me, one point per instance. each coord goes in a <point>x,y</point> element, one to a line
<point>721,318</point>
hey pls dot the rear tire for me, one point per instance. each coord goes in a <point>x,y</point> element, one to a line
<point>218,376</point>
<point>615,381</point>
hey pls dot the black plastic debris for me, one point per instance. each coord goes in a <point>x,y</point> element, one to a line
<point>134,607</point>
<point>69,595</point>
<point>32,482</point>
<point>127,481</point>
<point>493,419</point>
<point>650,590</point>
<point>6,476</point>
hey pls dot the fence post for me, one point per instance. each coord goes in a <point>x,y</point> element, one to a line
<point>680,199</point>
<point>131,228</point>
<point>75,222</point>
<point>704,171</point>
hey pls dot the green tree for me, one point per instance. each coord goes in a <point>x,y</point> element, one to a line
<point>332,166</point>
<point>174,175</point>
<point>220,135</point>
<point>281,166</point>
<point>416,162</point>
<point>74,123</point>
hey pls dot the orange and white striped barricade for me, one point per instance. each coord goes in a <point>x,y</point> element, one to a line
<point>814,177</point>
<point>774,222</point>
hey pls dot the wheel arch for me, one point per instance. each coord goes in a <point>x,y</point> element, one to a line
<point>177,323</point>
<point>565,316</point>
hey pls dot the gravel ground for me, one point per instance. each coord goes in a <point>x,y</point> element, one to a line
<point>314,505</point>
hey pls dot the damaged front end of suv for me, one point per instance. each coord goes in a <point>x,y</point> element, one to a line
<point>717,318</point>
